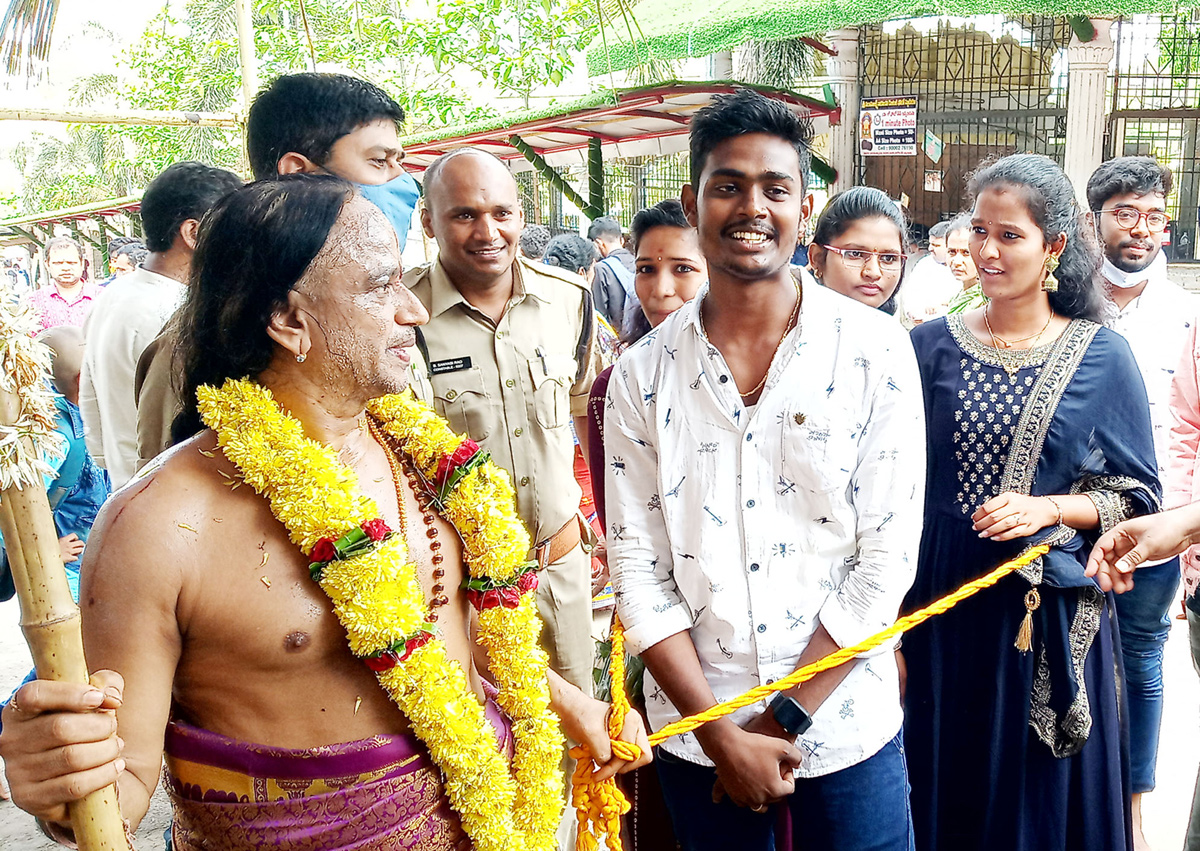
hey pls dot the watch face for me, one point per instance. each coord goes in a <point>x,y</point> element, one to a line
<point>791,715</point>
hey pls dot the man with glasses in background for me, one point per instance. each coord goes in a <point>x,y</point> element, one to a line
<point>1127,197</point>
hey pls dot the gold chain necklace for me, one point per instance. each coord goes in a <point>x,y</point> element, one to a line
<point>1004,348</point>
<point>787,328</point>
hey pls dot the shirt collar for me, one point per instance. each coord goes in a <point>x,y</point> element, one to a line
<point>444,295</point>
<point>88,291</point>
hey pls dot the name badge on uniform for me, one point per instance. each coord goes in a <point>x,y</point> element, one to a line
<point>441,367</point>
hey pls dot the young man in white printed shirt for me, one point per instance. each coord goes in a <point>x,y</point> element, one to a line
<point>764,509</point>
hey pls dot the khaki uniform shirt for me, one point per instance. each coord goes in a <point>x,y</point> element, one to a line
<point>513,386</point>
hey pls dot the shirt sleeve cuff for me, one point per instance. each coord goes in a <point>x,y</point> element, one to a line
<point>847,630</point>
<point>661,626</point>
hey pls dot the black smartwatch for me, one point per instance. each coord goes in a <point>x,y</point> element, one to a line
<point>790,715</point>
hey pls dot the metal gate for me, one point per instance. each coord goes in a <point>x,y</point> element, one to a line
<point>1156,109</point>
<point>986,86</point>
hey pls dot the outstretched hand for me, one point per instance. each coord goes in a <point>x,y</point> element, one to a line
<point>1122,549</point>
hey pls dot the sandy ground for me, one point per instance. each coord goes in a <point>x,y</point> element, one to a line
<point>1166,810</point>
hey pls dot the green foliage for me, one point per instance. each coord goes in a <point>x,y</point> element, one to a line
<point>439,68</point>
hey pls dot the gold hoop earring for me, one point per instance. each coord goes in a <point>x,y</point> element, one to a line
<point>1050,285</point>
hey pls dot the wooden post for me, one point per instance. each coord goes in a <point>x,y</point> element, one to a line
<point>49,617</point>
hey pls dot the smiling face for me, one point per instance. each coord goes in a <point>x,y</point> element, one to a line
<point>748,206</point>
<point>669,270</point>
<point>370,154</point>
<point>474,211</point>
<point>1134,249</point>
<point>365,319</point>
<point>1007,245</point>
<point>871,284</point>
<point>958,257</point>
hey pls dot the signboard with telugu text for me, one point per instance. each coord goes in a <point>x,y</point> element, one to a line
<point>887,126</point>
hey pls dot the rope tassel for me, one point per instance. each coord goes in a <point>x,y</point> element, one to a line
<point>599,806</point>
<point>1024,641</point>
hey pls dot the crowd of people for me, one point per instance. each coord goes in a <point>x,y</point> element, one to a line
<point>768,460</point>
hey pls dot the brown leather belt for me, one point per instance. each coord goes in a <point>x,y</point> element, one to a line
<point>560,543</point>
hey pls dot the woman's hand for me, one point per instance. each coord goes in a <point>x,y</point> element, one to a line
<point>1014,515</point>
<point>70,547</point>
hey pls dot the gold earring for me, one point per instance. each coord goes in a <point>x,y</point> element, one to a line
<point>1050,285</point>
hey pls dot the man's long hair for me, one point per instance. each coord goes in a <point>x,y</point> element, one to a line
<point>254,247</point>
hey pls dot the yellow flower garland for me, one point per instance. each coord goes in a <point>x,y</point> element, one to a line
<point>379,600</point>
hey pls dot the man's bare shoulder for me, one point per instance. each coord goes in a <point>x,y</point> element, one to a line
<point>176,503</point>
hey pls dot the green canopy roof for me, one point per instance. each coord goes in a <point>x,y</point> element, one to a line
<point>680,29</point>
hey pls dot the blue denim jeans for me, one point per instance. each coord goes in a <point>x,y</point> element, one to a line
<point>861,808</point>
<point>1144,625</point>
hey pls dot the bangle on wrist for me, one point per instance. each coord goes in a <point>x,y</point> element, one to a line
<point>1057,508</point>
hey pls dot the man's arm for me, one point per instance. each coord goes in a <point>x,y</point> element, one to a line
<point>63,742</point>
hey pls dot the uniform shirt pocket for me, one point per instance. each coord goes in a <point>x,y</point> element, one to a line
<point>552,377</point>
<point>461,399</point>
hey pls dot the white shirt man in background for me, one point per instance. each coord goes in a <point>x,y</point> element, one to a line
<point>132,310</point>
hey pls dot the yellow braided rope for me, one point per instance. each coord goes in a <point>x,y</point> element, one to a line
<point>594,810</point>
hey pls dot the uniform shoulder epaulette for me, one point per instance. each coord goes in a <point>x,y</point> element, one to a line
<point>415,275</point>
<point>555,272</point>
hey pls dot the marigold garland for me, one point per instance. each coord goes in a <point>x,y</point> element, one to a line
<point>379,600</point>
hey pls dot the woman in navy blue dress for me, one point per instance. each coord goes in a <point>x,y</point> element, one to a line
<point>1039,432</point>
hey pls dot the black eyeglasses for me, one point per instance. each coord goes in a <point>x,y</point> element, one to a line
<point>1128,218</point>
<point>856,258</point>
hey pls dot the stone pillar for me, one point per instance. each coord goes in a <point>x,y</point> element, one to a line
<point>842,71</point>
<point>1087,104</point>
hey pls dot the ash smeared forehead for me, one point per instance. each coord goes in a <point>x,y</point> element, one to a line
<point>362,240</point>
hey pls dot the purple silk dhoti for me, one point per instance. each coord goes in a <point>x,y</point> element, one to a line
<point>379,794</point>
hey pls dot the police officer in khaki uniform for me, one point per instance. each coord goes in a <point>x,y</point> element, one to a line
<point>510,348</point>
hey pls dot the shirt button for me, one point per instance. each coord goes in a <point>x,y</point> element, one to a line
<point>749,435</point>
<point>452,394</point>
<point>499,335</point>
<point>762,627</point>
<point>518,432</point>
<point>754,567</point>
<point>510,383</point>
<point>524,481</point>
<point>724,379</point>
<point>770,680</point>
<point>749,503</point>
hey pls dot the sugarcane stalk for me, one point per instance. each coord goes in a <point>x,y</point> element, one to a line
<point>50,618</point>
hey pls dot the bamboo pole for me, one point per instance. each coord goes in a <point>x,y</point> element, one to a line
<point>247,60</point>
<point>50,619</point>
<point>149,117</point>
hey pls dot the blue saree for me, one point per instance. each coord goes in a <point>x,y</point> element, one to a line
<point>1012,750</point>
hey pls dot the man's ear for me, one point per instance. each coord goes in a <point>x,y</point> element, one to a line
<point>292,326</point>
<point>1090,218</point>
<point>294,163</point>
<point>806,209</point>
<point>189,232</point>
<point>687,197</point>
<point>426,219</point>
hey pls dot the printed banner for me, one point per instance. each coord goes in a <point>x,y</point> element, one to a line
<point>887,126</point>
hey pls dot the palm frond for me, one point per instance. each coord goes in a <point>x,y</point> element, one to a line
<point>779,64</point>
<point>25,33</point>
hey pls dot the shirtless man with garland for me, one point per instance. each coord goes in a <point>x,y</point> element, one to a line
<point>203,614</point>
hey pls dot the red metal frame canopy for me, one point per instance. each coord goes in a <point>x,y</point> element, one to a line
<point>646,121</point>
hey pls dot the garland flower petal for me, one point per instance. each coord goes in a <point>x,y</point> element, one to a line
<point>366,571</point>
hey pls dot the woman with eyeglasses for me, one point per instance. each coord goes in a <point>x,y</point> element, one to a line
<point>858,247</point>
<point>1038,433</point>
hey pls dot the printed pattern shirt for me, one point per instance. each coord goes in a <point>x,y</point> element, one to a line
<point>749,528</point>
<point>54,310</point>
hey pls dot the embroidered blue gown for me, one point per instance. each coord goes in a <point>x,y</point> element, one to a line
<point>1010,750</point>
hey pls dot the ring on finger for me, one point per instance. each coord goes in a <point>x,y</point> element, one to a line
<point>761,808</point>
<point>12,701</point>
